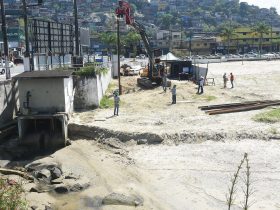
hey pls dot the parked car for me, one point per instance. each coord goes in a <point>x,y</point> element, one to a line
<point>11,64</point>
<point>135,70</point>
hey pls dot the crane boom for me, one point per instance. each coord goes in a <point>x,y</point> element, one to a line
<point>124,9</point>
<point>141,30</point>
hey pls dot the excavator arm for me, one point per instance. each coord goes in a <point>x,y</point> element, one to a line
<point>141,30</point>
<point>124,10</point>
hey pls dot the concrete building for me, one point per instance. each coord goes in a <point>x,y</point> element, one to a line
<point>45,101</point>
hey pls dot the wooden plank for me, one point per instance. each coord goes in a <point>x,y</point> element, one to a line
<point>242,109</point>
<point>235,104</point>
<point>15,172</point>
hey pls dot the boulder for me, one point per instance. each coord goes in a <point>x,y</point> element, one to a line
<point>44,175</point>
<point>55,172</point>
<point>121,199</point>
<point>61,189</point>
<point>142,141</point>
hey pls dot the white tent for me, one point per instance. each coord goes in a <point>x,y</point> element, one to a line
<point>169,57</point>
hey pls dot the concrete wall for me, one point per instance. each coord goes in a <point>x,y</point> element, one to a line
<point>69,94</point>
<point>46,94</point>
<point>8,98</point>
<point>90,90</point>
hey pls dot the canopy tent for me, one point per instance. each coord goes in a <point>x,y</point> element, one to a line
<point>169,57</point>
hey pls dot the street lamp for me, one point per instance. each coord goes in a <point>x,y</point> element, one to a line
<point>5,40</point>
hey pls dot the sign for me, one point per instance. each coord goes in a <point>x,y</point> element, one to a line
<point>51,37</point>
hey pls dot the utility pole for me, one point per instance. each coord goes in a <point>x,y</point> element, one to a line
<point>119,51</point>
<point>77,47</point>
<point>5,40</point>
<point>27,59</point>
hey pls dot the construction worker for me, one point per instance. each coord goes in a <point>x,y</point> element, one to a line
<point>164,82</point>
<point>225,80</point>
<point>173,91</point>
<point>231,78</point>
<point>116,103</point>
<point>200,85</point>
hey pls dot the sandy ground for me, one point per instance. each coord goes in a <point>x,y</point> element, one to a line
<point>175,175</point>
<point>151,110</point>
<point>183,177</point>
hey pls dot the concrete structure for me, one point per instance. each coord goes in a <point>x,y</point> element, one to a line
<point>90,90</point>
<point>45,101</point>
<point>8,97</point>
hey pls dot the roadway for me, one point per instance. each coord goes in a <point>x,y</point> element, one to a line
<point>17,69</point>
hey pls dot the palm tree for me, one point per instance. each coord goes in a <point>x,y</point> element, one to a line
<point>228,33</point>
<point>261,29</point>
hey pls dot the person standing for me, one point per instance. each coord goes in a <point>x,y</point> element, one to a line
<point>231,78</point>
<point>173,91</point>
<point>164,81</point>
<point>116,104</point>
<point>225,80</point>
<point>200,85</point>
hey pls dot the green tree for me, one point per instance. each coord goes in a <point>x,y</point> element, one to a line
<point>165,20</point>
<point>110,39</point>
<point>261,29</point>
<point>132,39</point>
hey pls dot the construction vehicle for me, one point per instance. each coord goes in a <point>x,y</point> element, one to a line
<point>153,74</point>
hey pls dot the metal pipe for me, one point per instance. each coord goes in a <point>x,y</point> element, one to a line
<point>5,40</point>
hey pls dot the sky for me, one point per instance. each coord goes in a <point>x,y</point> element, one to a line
<point>265,3</point>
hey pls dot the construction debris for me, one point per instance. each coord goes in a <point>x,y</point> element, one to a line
<point>16,172</point>
<point>238,107</point>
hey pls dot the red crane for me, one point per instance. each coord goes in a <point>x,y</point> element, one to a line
<point>124,10</point>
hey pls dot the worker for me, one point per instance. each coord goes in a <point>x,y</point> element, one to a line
<point>225,80</point>
<point>116,103</point>
<point>231,78</point>
<point>164,82</point>
<point>173,91</point>
<point>200,85</point>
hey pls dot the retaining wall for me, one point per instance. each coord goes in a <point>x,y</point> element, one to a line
<point>90,90</point>
<point>8,101</point>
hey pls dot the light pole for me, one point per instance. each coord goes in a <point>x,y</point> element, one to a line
<point>118,51</point>
<point>5,40</point>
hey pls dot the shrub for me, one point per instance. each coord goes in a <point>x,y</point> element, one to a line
<point>106,102</point>
<point>272,116</point>
<point>11,195</point>
<point>92,71</point>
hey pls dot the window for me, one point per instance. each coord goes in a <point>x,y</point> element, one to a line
<point>205,44</point>
<point>244,40</point>
<point>244,33</point>
<point>267,40</point>
<point>197,45</point>
<point>277,33</point>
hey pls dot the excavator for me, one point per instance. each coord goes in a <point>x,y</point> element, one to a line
<point>153,74</point>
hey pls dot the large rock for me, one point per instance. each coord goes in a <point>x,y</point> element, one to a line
<point>39,165</point>
<point>55,172</point>
<point>121,199</point>
<point>44,175</point>
<point>61,189</point>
